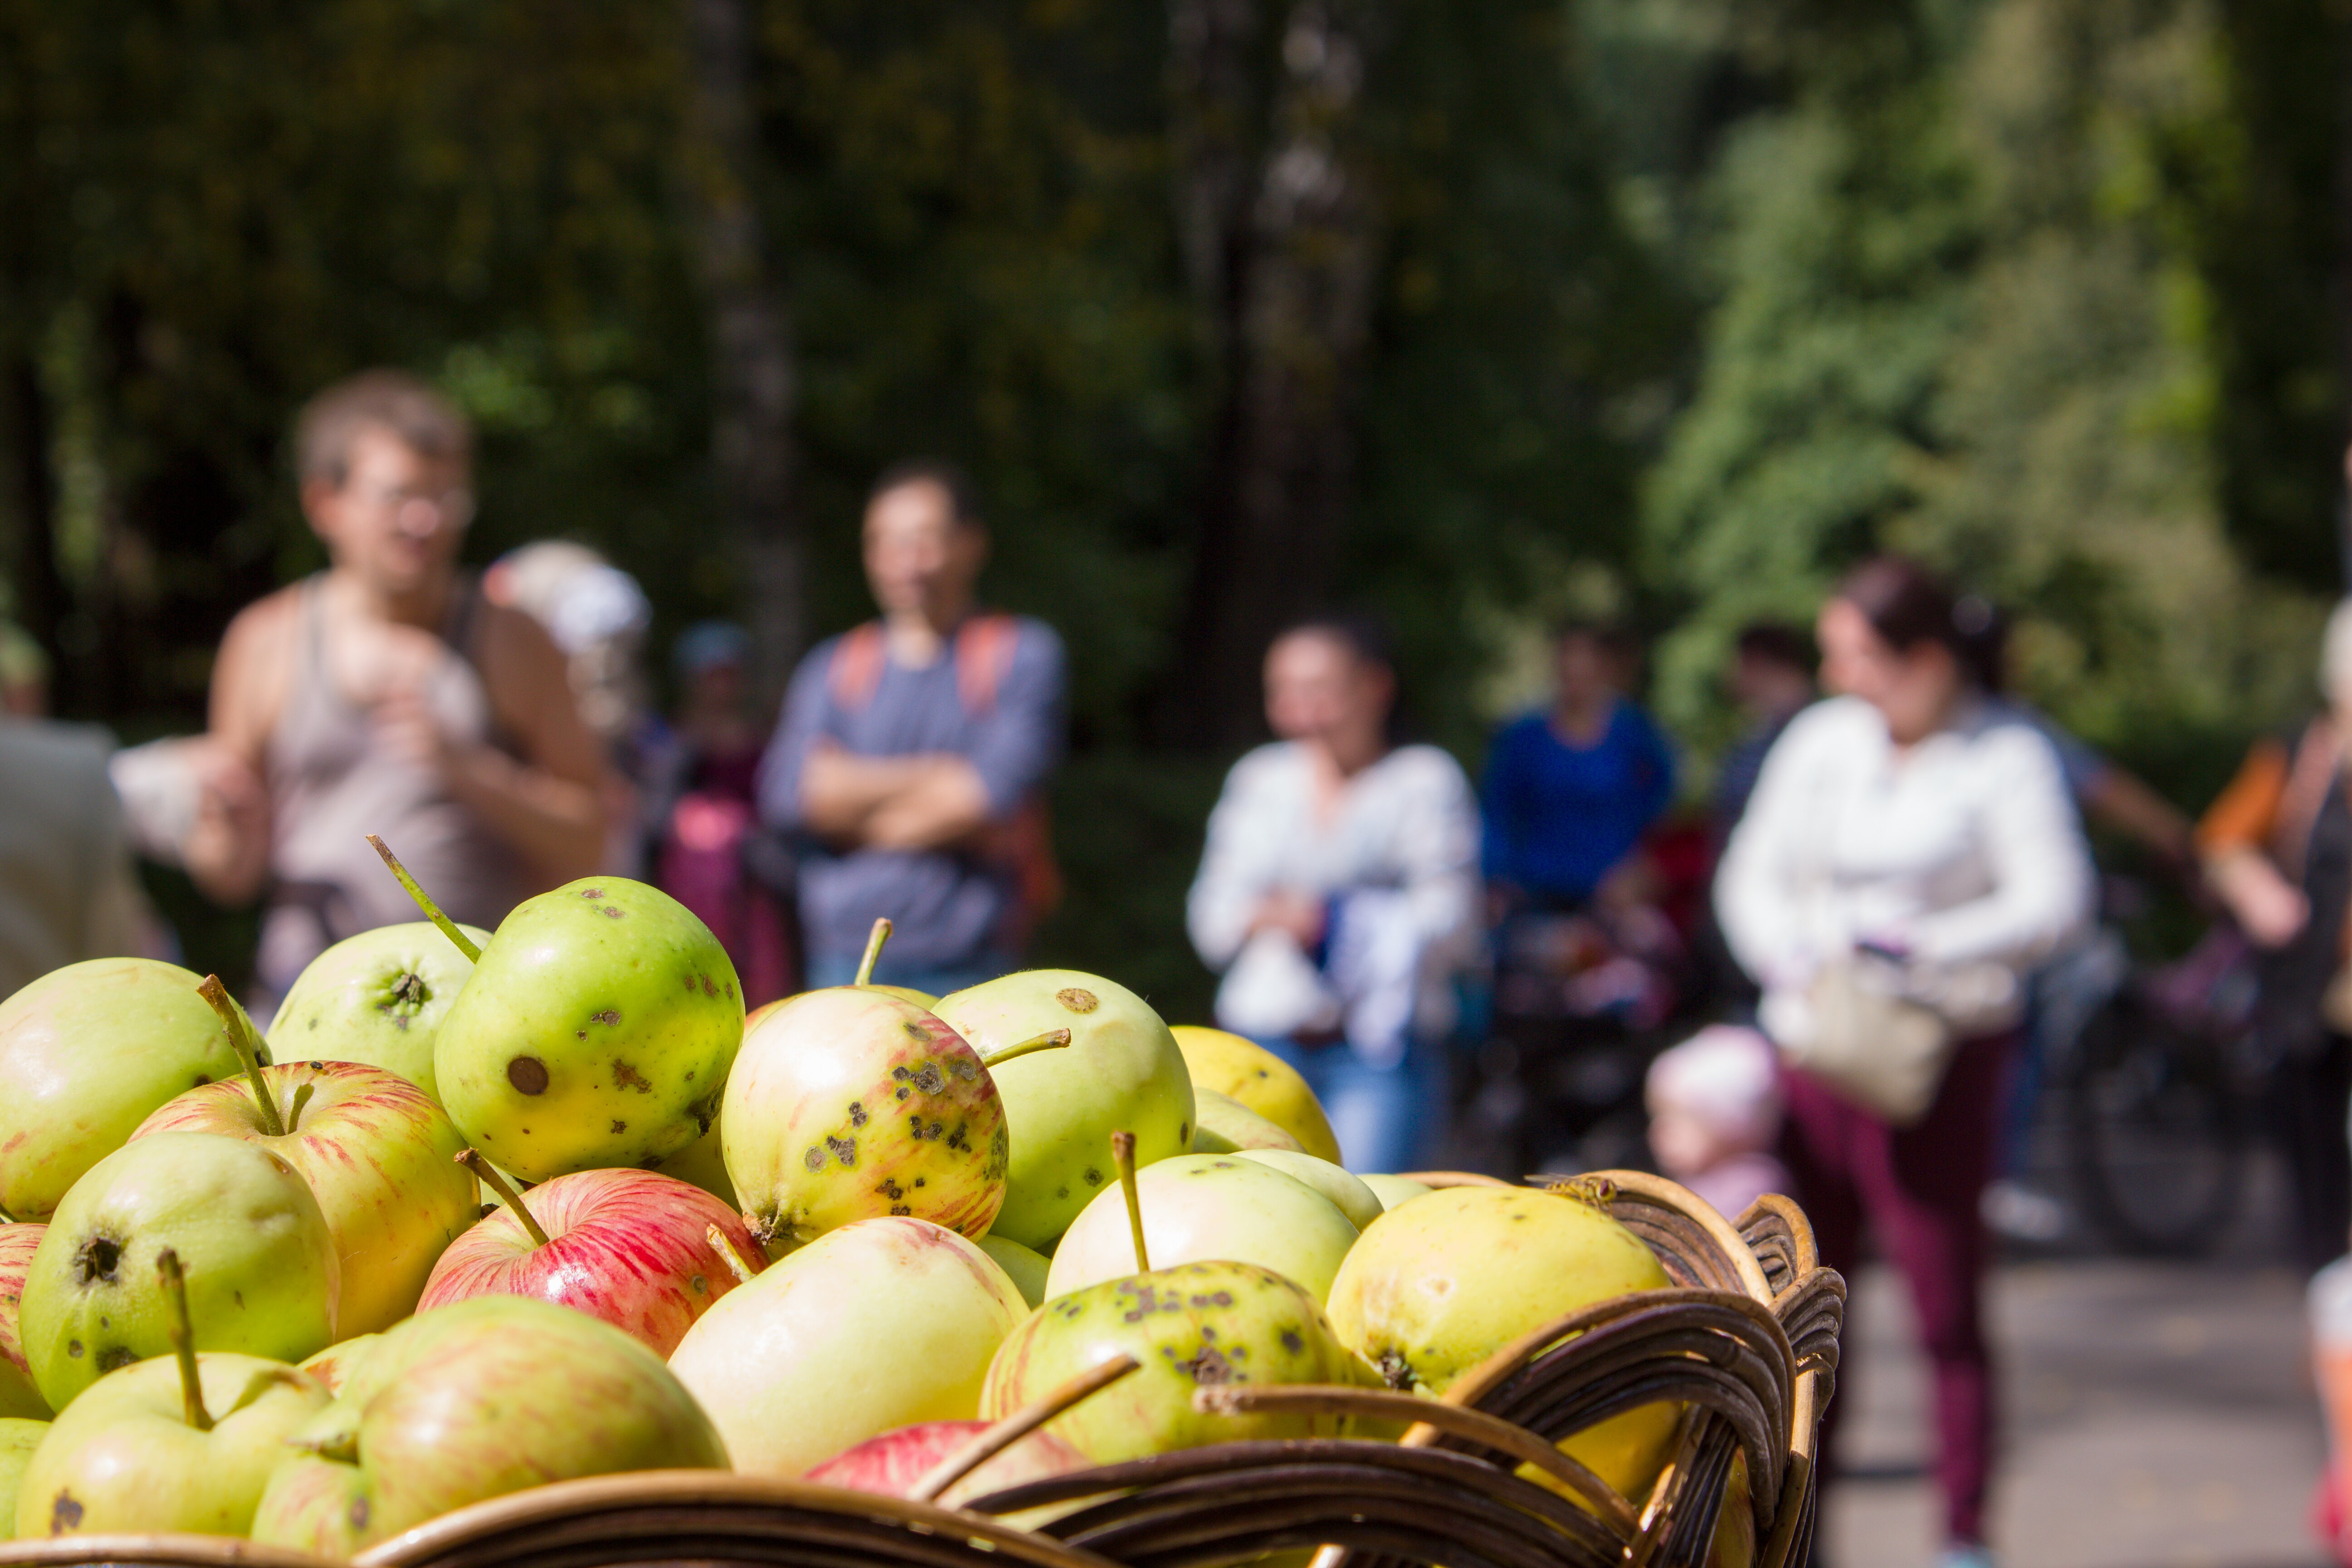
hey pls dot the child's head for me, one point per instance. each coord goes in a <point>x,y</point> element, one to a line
<point>1715,1096</point>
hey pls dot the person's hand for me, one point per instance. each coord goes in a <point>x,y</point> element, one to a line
<point>1297,915</point>
<point>1629,883</point>
<point>2272,911</point>
<point>409,730</point>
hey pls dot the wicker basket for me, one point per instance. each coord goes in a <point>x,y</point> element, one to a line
<point>1747,1341</point>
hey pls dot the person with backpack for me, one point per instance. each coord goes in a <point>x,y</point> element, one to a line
<point>912,757</point>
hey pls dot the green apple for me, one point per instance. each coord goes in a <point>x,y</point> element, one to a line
<point>125,1458</point>
<point>1027,1268</point>
<point>262,1274</point>
<point>1197,1208</point>
<point>1255,1075</point>
<point>340,1361</point>
<point>881,1323</point>
<point>1121,1070</point>
<point>1227,1126</point>
<point>704,1164</point>
<point>597,1030</point>
<point>1439,1284</point>
<point>18,1397</point>
<point>381,1159</point>
<point>378,998</point>
<point>1394,1190</point>
<point>1344,1188</point>
<point>85,1052</point>
<point>473,1401</point>
<point>18,1438</point>
<point>1195,1324</point>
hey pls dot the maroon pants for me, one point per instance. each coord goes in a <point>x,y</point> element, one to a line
<point>1918,1187</point>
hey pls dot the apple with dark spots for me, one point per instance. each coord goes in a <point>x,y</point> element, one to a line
<point>473,1401</point>
<point>85,1052</point>
<point>596,1031</point>
<point>892,1463</point>
<point>379,1157</point>
<point>1188,1326</point>
<point>882,1323</point>
<point>1198,1207</point>
<point>378,998</point>
<point>1120,1070</point>
<point>631,1247</point>
<point>18,1397</point>
<point>262,1275</point>
<point>849,1103</point>
<point>19,1436</point>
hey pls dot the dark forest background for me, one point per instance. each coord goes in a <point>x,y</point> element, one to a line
<point>1470,312</point>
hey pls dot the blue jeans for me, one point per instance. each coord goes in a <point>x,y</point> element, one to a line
<point>1384,1118</point>
<point>934,980</point>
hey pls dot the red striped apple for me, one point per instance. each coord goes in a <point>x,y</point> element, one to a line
<point>18,1397</point>
<point>893,1462</point>
<point>632,1247</point>
<point>378,1155</point>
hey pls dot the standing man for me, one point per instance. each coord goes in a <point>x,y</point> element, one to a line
<point>912,754</point>
<point>385,695</point>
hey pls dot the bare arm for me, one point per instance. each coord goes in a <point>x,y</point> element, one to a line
<point>228,851</point>
<point>923,802</point>
<point>547,803</point>
<point>2122,802</point>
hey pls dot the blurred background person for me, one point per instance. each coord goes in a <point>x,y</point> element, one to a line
<point>711,853</point>
<point>1771,683</point>
<point>913,755</point>
<point>2277,850</point>
<point>386,694</point>
<point>1902,827</point>
<point>1337,893</point>
<point>1714,1116</point>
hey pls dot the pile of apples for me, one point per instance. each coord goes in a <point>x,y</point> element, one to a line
<point>252,1287</point>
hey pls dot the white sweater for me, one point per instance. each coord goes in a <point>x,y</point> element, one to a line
<point>1406,832</point>
<point>1964,849</point>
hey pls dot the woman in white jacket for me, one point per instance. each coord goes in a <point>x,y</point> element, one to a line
<point>1338,894</point>
<point>1906,825</point>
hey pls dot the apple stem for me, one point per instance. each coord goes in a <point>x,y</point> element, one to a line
<point>6,1218</point>
<point>724,1246</point>
<point>874,941</point>
<point>1122,1151</point>
<point>489,1172</point>
<point>463,942</point>
<point>248,1050</point>
<point>302,1093</point>
<point>183,1341</point>
<point>985,1446</point>
<point>1051,1040</point>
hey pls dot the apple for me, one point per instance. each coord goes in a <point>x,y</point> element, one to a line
<point>1439,1284</point>
<point>1191,1325</point>
<point>1394,1190</point>
<point>18,1398</point>
<point>473,1401</point>
<point>262,1275</point>
<point>1197,1208</point>
<point>1248,1072</point>
<point>378,998</point>
<point>1346,1190</point>
<point>704,1164</point>
<point>892,1463</point>
<point>85,1052</point>
<point>1121,1070</point>
<point>379,1156</point>
<point>1024,1267</point>
<point>1227,1126</point>
<point>631,1247</point>
<point>336,1365</point>
<point>849,1103</point>
<point>882,1323</point>
<point>596,1031</point>
<point>18,1438</point>
<point>124,1459</point>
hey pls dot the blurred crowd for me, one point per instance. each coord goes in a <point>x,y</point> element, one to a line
<point>1839,975</point>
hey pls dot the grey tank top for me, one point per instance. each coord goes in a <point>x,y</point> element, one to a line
<point>332,783</point>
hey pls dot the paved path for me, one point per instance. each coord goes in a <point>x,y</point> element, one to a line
<point>2156,1415</point>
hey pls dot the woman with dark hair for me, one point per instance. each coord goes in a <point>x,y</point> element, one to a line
<point>1909,853</point>
<point>1338,892</point>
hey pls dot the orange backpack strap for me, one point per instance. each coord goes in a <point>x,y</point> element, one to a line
<point>855,669</point>
<point>983,655</point>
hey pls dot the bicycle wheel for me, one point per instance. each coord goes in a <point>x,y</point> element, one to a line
<point>2160,1133</point>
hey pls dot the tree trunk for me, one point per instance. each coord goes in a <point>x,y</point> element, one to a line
<point>754,379</point>
<point>1280,237</point>
<point>28,503</point>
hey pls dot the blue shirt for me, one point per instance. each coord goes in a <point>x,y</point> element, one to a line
<point>947,907</point>
<point>1558,817</point>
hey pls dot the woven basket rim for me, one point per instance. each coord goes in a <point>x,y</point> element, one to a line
<point>156,1546</point>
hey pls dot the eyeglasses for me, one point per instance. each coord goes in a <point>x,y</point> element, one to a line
<point>456,506</point>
